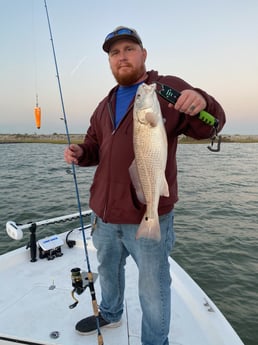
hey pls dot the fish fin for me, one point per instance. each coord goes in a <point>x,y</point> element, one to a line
<point>149,228</point>
<point>165,190</point>
<point>136,182</point>
<point>152,119</point>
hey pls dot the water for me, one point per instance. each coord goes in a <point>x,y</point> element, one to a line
<point>216,219</point>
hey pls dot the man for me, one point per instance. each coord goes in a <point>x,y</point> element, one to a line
<point>117,211</point>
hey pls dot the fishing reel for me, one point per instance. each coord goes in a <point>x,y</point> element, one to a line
<point>80,282</point>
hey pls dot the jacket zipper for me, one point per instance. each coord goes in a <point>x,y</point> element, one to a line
<point>114,129</point>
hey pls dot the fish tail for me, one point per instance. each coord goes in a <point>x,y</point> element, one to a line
<point>149,228</point>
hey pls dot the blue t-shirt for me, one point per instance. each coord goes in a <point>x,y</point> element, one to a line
<point>124,96</point>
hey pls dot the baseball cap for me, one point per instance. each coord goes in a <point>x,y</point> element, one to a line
<point>121,32</point>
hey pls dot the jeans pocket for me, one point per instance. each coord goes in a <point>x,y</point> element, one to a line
<point>170,234</point>
<point>94,221</point>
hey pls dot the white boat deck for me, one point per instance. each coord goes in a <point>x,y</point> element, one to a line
<point>35,299</point>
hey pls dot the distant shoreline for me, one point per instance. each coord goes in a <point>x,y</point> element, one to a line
<point>78,138</point>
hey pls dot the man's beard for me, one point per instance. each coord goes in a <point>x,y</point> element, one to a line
<point>130,78</point>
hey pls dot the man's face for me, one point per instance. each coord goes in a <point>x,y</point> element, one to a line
<point>127,62</point>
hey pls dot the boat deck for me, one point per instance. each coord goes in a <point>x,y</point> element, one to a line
<point>35,299</point>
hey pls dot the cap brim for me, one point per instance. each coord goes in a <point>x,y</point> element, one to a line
<point>107,45</point>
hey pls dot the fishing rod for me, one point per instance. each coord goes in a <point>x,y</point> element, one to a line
<point>89,274</point>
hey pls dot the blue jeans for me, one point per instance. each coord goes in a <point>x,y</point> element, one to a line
<point>114,242</point>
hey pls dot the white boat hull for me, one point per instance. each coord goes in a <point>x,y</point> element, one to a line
<point>35,299</point>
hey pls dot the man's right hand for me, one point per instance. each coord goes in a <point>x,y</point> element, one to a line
<point>73,153</point>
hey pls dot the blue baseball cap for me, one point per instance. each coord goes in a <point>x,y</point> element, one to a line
<point>121,32</point>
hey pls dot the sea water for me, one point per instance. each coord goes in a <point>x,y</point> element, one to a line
<point>216,218</point>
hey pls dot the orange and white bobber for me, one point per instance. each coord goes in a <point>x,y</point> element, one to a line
<point>37,113</point>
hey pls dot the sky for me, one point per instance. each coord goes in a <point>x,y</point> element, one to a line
<point>212,45</point>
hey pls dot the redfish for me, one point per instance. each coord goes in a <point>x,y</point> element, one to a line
<point>150,148</point>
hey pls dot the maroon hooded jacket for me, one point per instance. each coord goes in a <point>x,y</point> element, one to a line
<point>112,195</point>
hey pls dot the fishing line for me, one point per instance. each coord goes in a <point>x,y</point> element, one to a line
<point>34,49</point>
<point>90,275</point>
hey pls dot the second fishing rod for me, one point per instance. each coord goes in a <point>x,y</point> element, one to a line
<point>89,273</point>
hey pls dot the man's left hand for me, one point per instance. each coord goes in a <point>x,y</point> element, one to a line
<point>190,102</point>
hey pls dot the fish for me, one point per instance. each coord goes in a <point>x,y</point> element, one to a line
<point>147,170</point>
